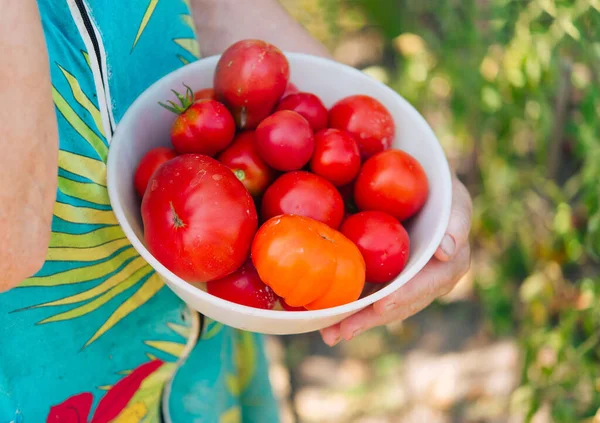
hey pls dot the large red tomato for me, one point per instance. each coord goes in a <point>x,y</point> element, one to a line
<point>202,127</point>
<point>307,263</point>
<point>336,157</point>
<point>243,158</point>
<point>148,165</point>
<point>367,120</point>
<point>250,78</point>
<point>199,220</point>
<point>382,241</point>
<point>393,182</point>
<point>285,140</point>
<point>243,287</point>
<point>309,106</point>
<point>303,194</point>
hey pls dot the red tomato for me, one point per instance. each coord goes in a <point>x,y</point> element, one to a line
<point>367,120</point>
<point>302,193</point>
<point>250,78</point>
<point>148,165</point>
<point>205,94</point>
<point>199,220</point>
<point>382,241</point>
<point>393,182</point>
<point>202,127</point>
<point>290,89</point>
<point>241,157</point>
<point>336,157</point>
<point>288,307</point>
<point>285,140</point>
<point>308,106</point>
<point>243,287</point>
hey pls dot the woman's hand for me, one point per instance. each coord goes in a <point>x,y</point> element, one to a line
<point>438,277</point>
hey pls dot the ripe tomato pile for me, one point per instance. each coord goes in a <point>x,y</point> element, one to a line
<point>267,197</point>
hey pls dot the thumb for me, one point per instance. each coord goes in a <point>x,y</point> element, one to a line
<point>459,226</point>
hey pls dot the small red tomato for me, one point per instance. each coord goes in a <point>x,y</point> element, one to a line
<point>304,194</point>
<point>202,127</point>
<point>285,140</point>
<point>336,157</point>
<point>250,78</point>
<point>393,182</point>
<point>199,220</point>
<point>367,120</point>
<point>243,159</point>
<point>382,241</point>
<point>308,106</point>
<point>243,287</point>
<point>288,307</point>
<point>205,94</point>
<point>148,165</point>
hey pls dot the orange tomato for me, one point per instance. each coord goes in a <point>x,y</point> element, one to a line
<point>307,263</point>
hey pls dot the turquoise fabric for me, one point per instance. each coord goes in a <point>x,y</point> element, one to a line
<point>95,336</point>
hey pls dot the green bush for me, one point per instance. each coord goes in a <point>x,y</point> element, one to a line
<point>512,88</point>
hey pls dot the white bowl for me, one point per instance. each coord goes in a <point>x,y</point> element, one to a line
<point>146,125</point>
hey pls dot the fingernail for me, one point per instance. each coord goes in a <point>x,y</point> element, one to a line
<point>355,333</point>
<point>335,341</point>
<point>448,245</point>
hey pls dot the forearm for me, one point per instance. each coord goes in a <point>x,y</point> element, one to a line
<point>28,141</point>
<point>220,23</point>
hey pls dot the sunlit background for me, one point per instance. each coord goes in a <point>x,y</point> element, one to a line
<point>512,89</point>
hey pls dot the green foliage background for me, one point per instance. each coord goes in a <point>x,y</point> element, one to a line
<point>512,88</point>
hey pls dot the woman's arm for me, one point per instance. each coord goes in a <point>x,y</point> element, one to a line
<point>220,23</point>
<point>28,143</point>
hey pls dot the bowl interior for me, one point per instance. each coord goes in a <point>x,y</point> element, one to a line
<point>146,125</point>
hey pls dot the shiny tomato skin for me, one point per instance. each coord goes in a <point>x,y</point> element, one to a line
<point>206,127</point>
<point>250,78</point>
<point>199,220</point>
<point>205,94</point>
<point>245,162</point>
<point>285,141</point>
<point>307,263</point>
<point>243,287</point>
<point>382,241</point>
<point>367,120</point>
<point>290,89</point>
<point>336,156</point>
<point>304,194</point>
<point>151,161</point>
<point>309,106</point>
<point>393,182</point>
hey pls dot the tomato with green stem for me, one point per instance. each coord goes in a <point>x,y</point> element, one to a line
<point>199,220</point>
<point>245,162</point>
<point>201,127</point>
<point>250,78</point>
